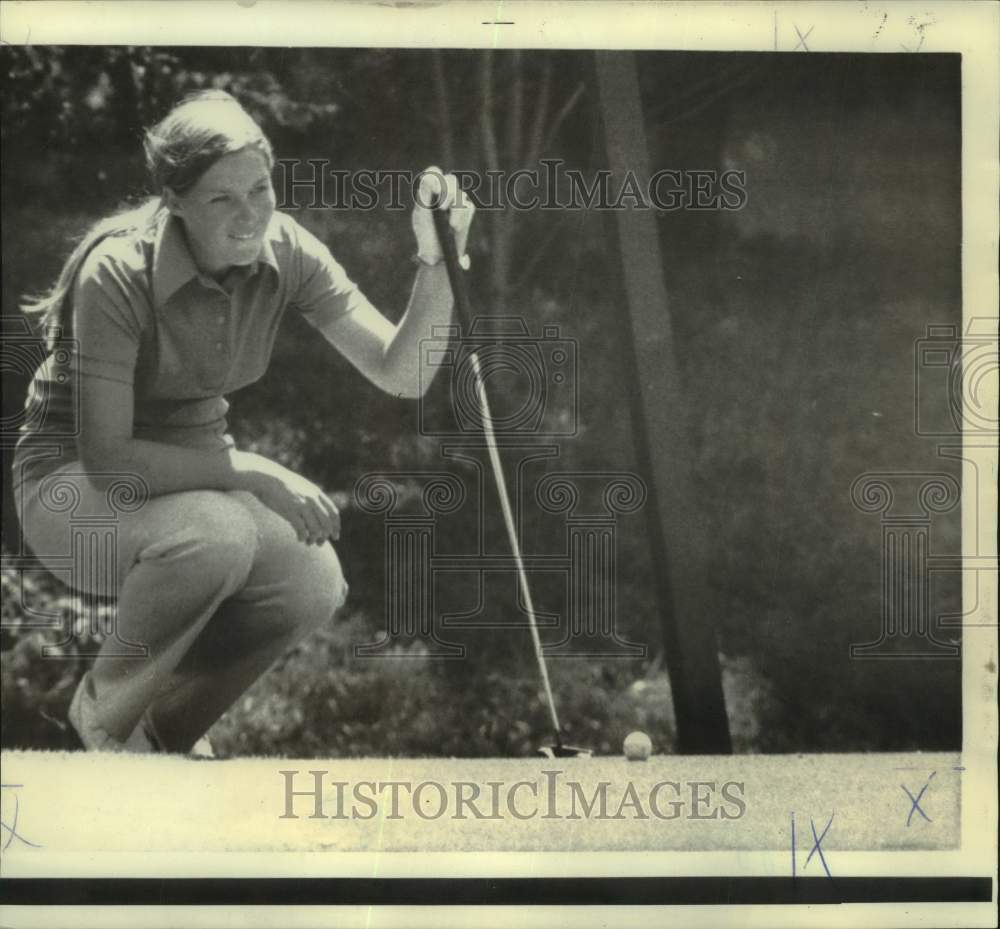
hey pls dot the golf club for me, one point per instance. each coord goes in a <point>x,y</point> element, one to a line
<point>464,309</point>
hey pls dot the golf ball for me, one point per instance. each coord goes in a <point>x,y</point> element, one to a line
<point>637,746</point>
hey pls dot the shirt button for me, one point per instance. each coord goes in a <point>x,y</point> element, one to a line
<point>218,345</point>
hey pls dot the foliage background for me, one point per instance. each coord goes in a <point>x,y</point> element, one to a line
<point>795,321</point>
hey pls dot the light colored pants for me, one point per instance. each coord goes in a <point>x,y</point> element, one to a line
<point>214,584</point>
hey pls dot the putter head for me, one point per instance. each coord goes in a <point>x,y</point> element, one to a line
<point>564,751</point>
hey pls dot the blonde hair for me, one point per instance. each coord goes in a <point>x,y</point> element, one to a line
<point>179,149</point>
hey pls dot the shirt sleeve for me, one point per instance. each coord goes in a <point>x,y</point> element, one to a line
<point>106,329</point>
<point>323,292</point>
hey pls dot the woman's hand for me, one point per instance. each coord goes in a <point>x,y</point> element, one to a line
<point>443,190</point>
<point>311,513</point>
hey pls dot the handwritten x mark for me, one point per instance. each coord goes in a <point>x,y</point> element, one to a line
<point>818,845</point>
<point>802,38</point>
<point>915,806</point>
<point>11,831</point>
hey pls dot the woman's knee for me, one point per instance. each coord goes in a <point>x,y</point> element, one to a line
<point>213,532</point>
<point>317,588</point>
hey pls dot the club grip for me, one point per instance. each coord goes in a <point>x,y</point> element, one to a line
<point>456,276</point>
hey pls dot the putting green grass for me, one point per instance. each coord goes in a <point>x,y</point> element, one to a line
<point>76,802</point>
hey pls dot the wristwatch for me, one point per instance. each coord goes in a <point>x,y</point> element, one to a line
<point>464,262</point>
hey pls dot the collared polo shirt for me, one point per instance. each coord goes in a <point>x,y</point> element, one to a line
<point>145,316</point>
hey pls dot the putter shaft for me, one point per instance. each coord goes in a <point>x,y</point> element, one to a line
<point>464,308</point>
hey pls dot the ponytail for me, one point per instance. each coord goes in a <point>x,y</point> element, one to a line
<point>47,311</point>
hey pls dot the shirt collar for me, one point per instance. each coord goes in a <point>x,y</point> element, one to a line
<point>173,265</point>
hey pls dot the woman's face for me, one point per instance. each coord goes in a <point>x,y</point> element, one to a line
<point>226,213</point>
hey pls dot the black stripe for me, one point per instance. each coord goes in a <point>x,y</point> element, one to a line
<point>637,891</point>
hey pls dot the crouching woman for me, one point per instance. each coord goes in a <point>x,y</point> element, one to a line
<point>227,561</point>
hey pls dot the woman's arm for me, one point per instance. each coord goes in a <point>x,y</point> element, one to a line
<point>388,355</point>
<point>107,449</point>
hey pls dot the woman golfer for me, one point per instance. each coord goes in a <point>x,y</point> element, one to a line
<point>225,561</point>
